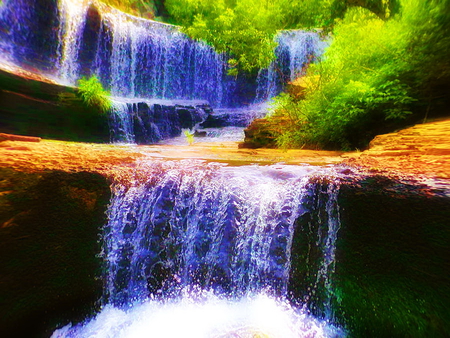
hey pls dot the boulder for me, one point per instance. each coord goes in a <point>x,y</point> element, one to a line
<point>34,106</point>
<point>49,245</point>
<point>259,134</point>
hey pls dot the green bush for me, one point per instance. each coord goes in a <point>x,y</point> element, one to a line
<point>93,94</point>
<point>375,74</point>
<point>245,28</point>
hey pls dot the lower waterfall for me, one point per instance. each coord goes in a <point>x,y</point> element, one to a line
<point>197,249</point>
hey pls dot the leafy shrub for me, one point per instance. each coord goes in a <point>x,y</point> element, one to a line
<point>93,94</point>
<point>375,74</point>
<point>143,8</point>
<point>189,136</point>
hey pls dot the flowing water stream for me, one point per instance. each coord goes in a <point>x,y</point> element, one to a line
<point>204,250</point>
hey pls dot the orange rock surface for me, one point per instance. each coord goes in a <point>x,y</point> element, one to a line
<point>420,150</point>
<point>423,149</point>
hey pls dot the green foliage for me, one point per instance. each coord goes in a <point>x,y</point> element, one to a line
<point>375,74</point>
<point>189,136</point>
<point>245,28</point>
<point>93,94</point>
<point>143,8</point>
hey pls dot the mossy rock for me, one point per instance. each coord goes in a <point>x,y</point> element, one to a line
<point>50,225</point>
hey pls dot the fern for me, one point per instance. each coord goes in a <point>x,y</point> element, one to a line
<point>93,93</point>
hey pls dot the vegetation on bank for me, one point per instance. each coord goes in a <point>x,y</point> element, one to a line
<point>378,74</point>
<point>144,8</point>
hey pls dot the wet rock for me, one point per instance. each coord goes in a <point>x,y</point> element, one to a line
<point>11,137</point>
<point>214,121</point>
<point>49,226</point>
<point>233,117</point>
<point>392,259</point>
<point>156,120</point>
<point>33,107</point>
<point>259,135</point>
<point>89,42</point>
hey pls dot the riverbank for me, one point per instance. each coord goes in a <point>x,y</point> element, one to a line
<point>423,149</point>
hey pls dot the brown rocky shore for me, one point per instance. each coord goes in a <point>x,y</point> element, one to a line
<point>423,149</point>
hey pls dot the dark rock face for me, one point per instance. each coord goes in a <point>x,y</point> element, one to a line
<point>233,117</point>
<point>393,266</point>
<point>49,239</point>
<point>35,108</point>
<point>156,123</point>
<point>306,259</point>
<point>226,119</point>
<point>392,272</point>
<point>89,42</point>
<point>148,122</point>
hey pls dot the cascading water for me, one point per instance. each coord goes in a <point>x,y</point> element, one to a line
<point>144,121</point>
<point>141,60</point>
<point>27,39</point>
<point>207,248</point>
<point>295,51</point>
<point>132,57</point>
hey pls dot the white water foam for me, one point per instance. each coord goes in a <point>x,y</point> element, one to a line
<point>203,315</point>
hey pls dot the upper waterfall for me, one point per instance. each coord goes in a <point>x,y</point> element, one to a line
<point>295,51</point>
<point>135,57</point>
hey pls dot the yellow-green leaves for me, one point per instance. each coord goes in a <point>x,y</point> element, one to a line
<point>374,74</point>
<point>189,136</point>
<point>93,94</point>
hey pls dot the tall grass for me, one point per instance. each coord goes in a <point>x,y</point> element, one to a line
<point>93,93</point>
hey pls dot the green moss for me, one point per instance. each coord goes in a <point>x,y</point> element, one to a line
<point>392,271</point>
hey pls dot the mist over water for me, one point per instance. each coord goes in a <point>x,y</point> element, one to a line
<point>204,316</point>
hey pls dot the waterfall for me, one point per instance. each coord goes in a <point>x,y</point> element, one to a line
<point>209,238</point>
<point>133,57</point>
<point>138,58</point>
<point>27,39</point>
<point>295,50</point>
<point>144,121</point>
